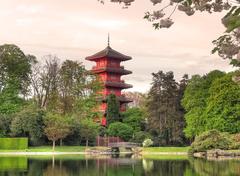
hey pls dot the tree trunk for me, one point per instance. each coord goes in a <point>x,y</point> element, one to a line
<point>61,142</point>
<point>53,162</point>
<point>53,147</point>
<point>86,143</point>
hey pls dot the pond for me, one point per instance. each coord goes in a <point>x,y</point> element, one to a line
<point>81,165</point>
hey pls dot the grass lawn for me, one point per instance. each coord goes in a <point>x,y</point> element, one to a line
<point>165,149</point>
<point>49,149</point>
<point>57,149</point>
<point>82,149</point>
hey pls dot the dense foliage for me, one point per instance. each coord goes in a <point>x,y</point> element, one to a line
<point>212,102</point>
<point>88,130</point>
<point>52,99</point>
<point>37,99</point>
<point>195,101</point>
<point>134,117</point>
<point>212,139</point>
<point>121,130</point>
<point>112,113</point>
<point>29,123</point>
<point>165,113</point>
<point>15,68</point>
<point>140,136</point>
<point>57,127</point>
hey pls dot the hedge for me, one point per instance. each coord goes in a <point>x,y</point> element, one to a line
<point>13,163</point>
<point>13,143</point>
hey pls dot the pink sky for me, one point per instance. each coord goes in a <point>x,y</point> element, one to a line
<point>74,29</point>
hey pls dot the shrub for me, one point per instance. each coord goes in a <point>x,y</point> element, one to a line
<point>140,136</point>
<point>212,139</point>
<point>147,143</point>
<point>134,117</point>
<point>121,130</point>
<point>13,143</point>
<point>236,139</point>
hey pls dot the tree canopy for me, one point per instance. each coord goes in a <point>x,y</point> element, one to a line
<point>57,127</point>
<point>134,117</point>
<point>121,130</point>
<point>15,68</point>
<point>211,102</point>
<point>165,114</point>
<point>113,109</point>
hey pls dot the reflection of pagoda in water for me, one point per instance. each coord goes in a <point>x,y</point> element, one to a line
<point>108,67</point>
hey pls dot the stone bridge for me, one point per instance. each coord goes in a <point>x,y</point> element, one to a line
<point>115,146</point>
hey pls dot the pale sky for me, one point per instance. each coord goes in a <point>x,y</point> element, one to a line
<point>74,29</point>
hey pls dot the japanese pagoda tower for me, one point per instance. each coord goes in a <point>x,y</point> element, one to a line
<point>108,67</point>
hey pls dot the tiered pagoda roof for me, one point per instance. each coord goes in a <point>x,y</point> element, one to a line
<point>116,84</point>
<point>120,70</point>
<point>121,98</point>
<point>110,53</point>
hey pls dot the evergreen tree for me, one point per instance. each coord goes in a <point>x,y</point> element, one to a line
<point>165,115</point>
<point>113,113</point>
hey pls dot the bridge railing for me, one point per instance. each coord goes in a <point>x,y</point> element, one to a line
<point>105,141</point>
<point>124,144</point>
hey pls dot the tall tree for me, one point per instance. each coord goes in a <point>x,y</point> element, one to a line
<point>181,111</point>
<point>78,89</point>
<point>195,102</point>
<point>15,68</point>
<point>223,105</point>
<point>45,80</point>
<point>72,81</point>
<point>163,109</point>
<point>113,113</point>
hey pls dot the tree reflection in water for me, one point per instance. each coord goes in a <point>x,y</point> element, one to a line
<point>216,168</point>
<point>121,166</point>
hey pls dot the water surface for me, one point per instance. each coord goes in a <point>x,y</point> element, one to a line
<point>116,166</point>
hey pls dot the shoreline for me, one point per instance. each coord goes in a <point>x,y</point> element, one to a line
<point>84,153</point>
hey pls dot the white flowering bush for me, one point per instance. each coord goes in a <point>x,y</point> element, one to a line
<point>147,143</point>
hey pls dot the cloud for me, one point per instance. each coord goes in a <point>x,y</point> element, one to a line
<point>24,21</point>
<point>29,9</point>
<point>76,29</point>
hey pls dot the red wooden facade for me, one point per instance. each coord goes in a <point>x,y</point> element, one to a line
<point>108,67</point>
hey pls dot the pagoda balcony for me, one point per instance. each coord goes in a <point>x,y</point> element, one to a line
<point>120,84</point>
<point>121,99</point>
<point>119,70</point>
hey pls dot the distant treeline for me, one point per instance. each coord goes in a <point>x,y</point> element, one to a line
<point>53,100</point>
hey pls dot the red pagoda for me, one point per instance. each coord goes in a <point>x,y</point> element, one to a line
<point>109,69</point>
